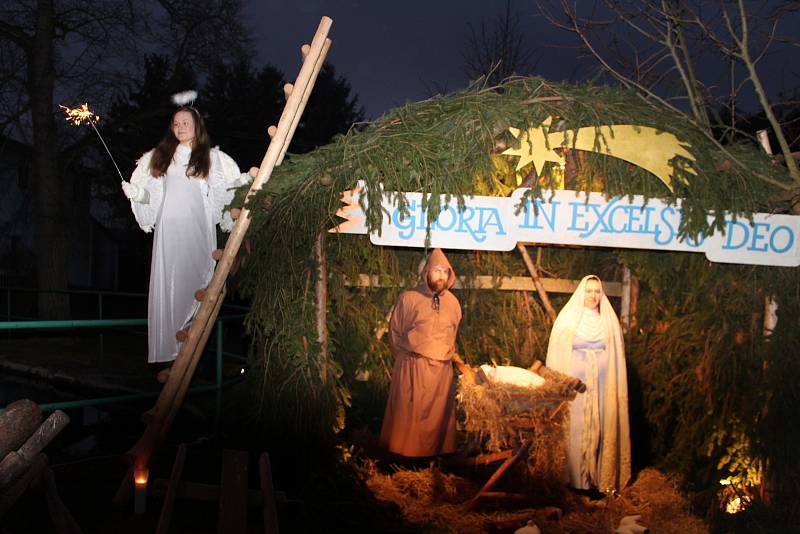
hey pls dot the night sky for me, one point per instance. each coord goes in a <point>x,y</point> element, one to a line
<point>393,52</point>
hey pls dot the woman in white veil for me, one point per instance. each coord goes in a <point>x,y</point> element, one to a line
<point>586,342</point>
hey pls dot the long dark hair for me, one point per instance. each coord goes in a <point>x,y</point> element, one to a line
<point>199,161</point>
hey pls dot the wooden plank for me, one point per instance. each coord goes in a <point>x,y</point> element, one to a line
<point>268,493</point>
<point>233,493</point>
<point>172,490</point>
<point>502,283</point>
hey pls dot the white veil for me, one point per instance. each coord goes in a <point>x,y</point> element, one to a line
<point>615,462</point>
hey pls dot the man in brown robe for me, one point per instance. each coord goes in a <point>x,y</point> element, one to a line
<point>420,415</point>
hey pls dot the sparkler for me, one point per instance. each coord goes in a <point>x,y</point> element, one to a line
<point>77,116</point>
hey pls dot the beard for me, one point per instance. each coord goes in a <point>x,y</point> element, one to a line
<point>437,286</point>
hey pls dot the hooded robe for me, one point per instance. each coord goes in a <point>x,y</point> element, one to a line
<point>420,413</point>
<point>588,345</point>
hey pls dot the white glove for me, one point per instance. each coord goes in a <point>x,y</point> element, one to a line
<point>136,193</point>
<point>227,222</point>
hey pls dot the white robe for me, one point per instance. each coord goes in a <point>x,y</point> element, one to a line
<point>590,346</point>
<point>184,212</point>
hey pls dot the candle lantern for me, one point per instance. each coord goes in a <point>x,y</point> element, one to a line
<point>140,476</point>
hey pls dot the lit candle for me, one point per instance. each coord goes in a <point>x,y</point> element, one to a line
<point>140,489</point>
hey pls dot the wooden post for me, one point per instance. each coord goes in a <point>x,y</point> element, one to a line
<point>233,493</point>
<point>537,281</point>
<point>172,491</point>
<point>634,301</point>
<point>171,395</point>
<point>769,324</point>
<point>268,495</point>
<point>625,307</point>
<point>763,139</point>
<point>321,260</point>
<point>770,315</point>
<point>770,304</point>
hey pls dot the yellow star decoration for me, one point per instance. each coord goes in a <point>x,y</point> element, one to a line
<point>525,151</point>
<point>643,146</point>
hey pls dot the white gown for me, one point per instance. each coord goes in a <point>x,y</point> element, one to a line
<point>184,212</point>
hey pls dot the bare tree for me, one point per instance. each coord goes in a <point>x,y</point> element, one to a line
<point>498,49</point>
<point>654,46</point>
<point>70,50</point>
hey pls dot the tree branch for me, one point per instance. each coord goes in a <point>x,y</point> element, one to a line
<point>744,53</point>
<point>16,35</point>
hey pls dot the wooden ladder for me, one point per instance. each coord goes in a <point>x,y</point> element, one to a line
<point>174,390</point>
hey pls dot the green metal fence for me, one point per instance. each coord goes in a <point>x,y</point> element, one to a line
<point>219,384</point>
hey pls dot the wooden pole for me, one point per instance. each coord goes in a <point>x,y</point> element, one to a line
<point>186,378</point>
<point>322,302</point>
<point>770,315</point>
<point>770,304</point>
<point>171,395</point>
<point>233,493</point>
<point>172,491</point>
<point>537,281</point>
<point>268,495</point>
<point>126,487</point>
<point>306,93</point>
<point>379,332</point>
<point>625,306</point>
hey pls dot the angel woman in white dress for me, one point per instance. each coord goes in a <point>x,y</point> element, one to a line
<point>180,189</point>
<point>586,342</point>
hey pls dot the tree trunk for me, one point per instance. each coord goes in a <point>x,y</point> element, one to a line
<point>51,224</point>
